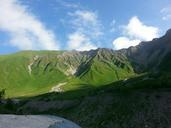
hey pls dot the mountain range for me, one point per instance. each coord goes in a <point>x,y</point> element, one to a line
<point>28,73</point>
<point>102,88</point>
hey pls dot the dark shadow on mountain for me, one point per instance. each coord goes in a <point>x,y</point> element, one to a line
<point>134,102</point>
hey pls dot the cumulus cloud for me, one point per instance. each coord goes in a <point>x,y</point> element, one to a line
<point>124,42</point>
<point>86,26</point>
<point>166,12</point>
<point>80,42</point>
<point>135,32</point>
<point>136,29</point>
<point>25,30</point>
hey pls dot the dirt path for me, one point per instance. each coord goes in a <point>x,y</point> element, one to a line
<point>57,88</point>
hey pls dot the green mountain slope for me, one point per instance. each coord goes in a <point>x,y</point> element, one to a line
<point>36,72</point>
<point>103,88</point>
<point>106,67</point>
<point>18,81</point>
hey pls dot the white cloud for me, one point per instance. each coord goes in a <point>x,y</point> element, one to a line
<point>86,27</point>
<point>26,31</point>
<point>136,29</point>
<point>124,42</point>
<point>86,16</point>
<point>134,32</point>
<point>86,22</point>
<point>166,12</point>
<point>79,42</point>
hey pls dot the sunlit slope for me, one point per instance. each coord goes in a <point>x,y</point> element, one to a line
<point>18,81</point>
<point>107,66</point>
<point>35,72</point>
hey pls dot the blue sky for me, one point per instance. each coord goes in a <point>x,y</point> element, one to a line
<point>80,24</point>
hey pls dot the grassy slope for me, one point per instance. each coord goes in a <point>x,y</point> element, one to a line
<point>47,71</point>
<point>107,67</point>
<point>16,79</point>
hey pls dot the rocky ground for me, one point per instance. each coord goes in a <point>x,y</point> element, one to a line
<point>34,121</point>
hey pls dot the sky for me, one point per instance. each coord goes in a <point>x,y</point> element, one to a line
<point>80,24</point>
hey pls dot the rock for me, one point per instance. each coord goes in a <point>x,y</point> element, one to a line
<point>35,121</point>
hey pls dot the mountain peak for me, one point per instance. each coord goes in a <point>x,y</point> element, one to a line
<point>168,32</point>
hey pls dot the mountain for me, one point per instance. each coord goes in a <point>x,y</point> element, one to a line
<point>149,55</point>
<point>102,88</point>
<point>37,72</point>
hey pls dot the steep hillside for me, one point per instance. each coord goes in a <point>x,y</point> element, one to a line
<point>29,73</point>
<point>149,55</point>
<point>105,67</point>
<point>36,72</point>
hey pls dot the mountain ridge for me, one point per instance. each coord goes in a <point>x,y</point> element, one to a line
<point>37,72</point>
<point>97,88</point>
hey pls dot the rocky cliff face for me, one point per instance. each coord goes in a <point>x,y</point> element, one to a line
<point>149,55</point>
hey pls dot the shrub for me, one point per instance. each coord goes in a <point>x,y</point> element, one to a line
<point>2,94</point>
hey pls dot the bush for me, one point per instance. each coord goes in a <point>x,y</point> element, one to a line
<point>2,94</point>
